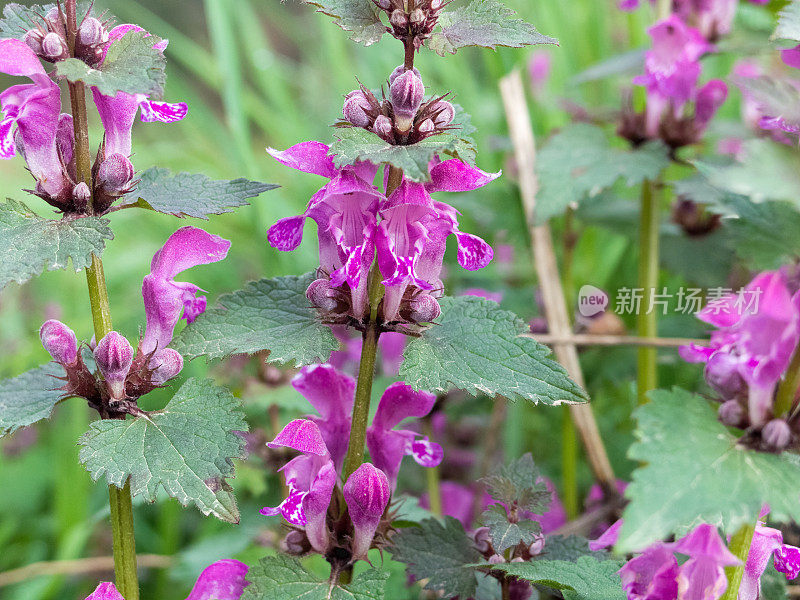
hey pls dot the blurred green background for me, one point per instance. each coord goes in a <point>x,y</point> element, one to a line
<point>261,73</point>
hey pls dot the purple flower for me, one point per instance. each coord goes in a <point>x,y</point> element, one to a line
<point>702,577</point>
<point>653,575</point>
<point>367,494</point>
<point>223,580</point>
<point>33,111</point>
<point>311,478</point>
<point>458,502</point>
<point>331,393</point>
<point>787,560</point>
<point>539,66</point>
<point>388,446</point>
<point>114,356</point>
<point>345,211</point>
<point>765,541</point>
<point>60,341</point>
<point>608,538</point>
<point>164,298</point>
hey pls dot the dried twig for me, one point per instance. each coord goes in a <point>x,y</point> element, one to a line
<point>585,339</point>
<point>519,126</point>
<point>81,566</point>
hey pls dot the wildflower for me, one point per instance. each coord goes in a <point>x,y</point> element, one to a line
<point>366,493</point>
<point>60,341</point>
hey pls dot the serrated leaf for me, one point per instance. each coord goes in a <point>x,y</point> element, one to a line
<point>192,195</point>
<point>131,65</point>
<point>18,19</point>
<point>29,397</point>
<point>187,448</point>
<point>507,534</point>
<point>579,161</point>
<point>441,554</point>
<point>585,579</point>
<point>478,347</point>
<point>690,459</point>
<point>767,172</point>
<point>270,314</point>
<point>34,245</point>
<point>360,17</point>
<point>788,22</point>
<point>569,548</point>
<point>486,23</point>
<point>518,484</point>
<point>282,577</point>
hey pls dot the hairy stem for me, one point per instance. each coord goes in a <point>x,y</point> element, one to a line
<point>787,390</point>
<point>646,323</point>
<point>505,587</point>
<point>740,547</point>
<point>119,499</point>
<point>432,474</point>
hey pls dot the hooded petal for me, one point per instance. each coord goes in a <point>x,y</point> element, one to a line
<point>608,539</point>
<point>287,233</point>
<point>651,575</point>
<point>704,540</point>
<point>765,541</point>
<point>17,59</point>
<point>400,401</point>
<point>105,591</point>
<point>117,114</point>
<point>456,176</point>
<point>309,157</point>
<point>301,435</point>
<point>222,580</point>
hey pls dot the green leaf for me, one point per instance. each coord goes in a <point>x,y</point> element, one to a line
<point>788,22</point>
<point>441,554</point>
<point>486,23</point>
<point>270,314</point>
<point>579,161</point>
<point>17,19</point>
<point>689,457</point>
<point>478,347</point>
<point>768,172</point>
<point>192,195</point>
<point>282,577</point>
<point>585,579</point>
<point>775,97</point>
<point>131,65</point>
<point>29,397</point>
<point>354,143</point>
<point>360,17</point>
<point>518,484</point>
<point>187,448</point>
<point>507,534</point>
<point>570,548</point>
<point>34,245</point>
<point>628,63</point>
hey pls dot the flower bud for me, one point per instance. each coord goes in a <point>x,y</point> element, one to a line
<point>424,309</point>
<point>496,559</point>
<point>382,126</point>
<point>81,196</point>
<point>776,434</point>
<point>91,32</point>
<point>416,16</point>
<point>483,541</point>
<point>322,295</point>
<point>60,341</point>
<point>399,70</point>
<point>33,39</point>
<point>295,543</point>
<point>115,173</point>
<point>385,4</point>
<point>436,4</point>
<point>445,115</point>
<point>166,364</point>
<point>537,546</point>
<point>426,126</point>
<point>355,109</point>
<point>722,374</point>
<point>114,356</point>
<point>517,559</point>
<point>731,413</point>
<point>366,493</point>
<point>54,47</point>
<point>55,22</point>
<point>398,19</point>
<point>407,93</point>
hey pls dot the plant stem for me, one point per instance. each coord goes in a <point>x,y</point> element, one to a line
<point>119,499</point>
<point>740,547</point>
<point>646,323</point>
<point>569,435</point>
<point>505,587</point>
<point>664,9</point>
<point>787,390</point>
<point>366,372</point>
<point>432,474</point>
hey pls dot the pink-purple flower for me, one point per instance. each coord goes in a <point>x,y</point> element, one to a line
<point>366,494</point>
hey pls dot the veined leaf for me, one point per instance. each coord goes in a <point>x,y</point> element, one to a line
<point>29,397</point>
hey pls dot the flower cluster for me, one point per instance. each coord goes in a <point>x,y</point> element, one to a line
<point>407,230</point>
<point>123,375</point>
<point>411,22</point>
<point>749,354</point>
<point>35,127</point>
<point>311,507</point>
<point>672,70</point>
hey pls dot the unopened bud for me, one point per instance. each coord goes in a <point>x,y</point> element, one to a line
<point>436,4</point>
<point>384,4</point>
<point>407,93</point>
<point>426,126</point>
<point>445,115</point>
<point>517,559</point>
<point>416,16</point>
<point>731,413</point>
<point>115,173</point>
<point>776,434</point>
<point>90,32</point>
<point>722,374</point>
<point>114,356</point>
<point>355,109</point>
<point>295,543</point>
<point>322,295</point>
<point>537,546</point>
<point>366,493</point>
<point>398,19</point>
<point>483,540</point>
<point>60,341</point>
<point>54,47</point>
<point>54,20</point>
<point>496,559</point>
<point>81,196</point>
<point>424,309</point>
<point>383,126</point>
<point>399,70</point>
<point>33,39</point>
<point>166,364</point>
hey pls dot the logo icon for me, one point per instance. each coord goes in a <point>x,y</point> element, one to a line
<point>591,301</point>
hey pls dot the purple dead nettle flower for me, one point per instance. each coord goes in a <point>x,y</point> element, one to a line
<point>114,357</point>
<point>34,125</point>
<point>223,580</point>
<point>345,210</point>
<point>388,446</point>
<point>757,333</point>
<point>59,341</point>
<point>754,113</point>
<point>366,494</point>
